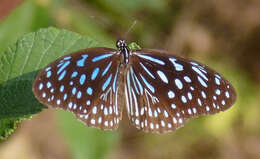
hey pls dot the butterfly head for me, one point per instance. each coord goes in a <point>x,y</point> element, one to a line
<point>120,44</point>
<point>124,50</point>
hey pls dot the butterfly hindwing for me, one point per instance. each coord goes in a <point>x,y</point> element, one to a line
<point>80,84</point>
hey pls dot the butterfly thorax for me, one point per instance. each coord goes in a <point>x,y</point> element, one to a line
<point>124,51</point>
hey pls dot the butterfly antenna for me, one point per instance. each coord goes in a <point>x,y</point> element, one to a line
<point>130,28</point>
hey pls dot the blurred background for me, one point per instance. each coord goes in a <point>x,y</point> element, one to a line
<point>224,34</point>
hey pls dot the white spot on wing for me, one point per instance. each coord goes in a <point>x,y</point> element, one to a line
<point>162,76</point>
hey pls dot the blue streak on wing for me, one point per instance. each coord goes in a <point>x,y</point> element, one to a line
<point>152,59</point>
<point>147,84</point>
<point>147,71</point>
<point>101,57</point>
<point>139,84</point>
<point>63,67</point>
<point>62,75</point>
<point>104,86</point>
<point>94,73</point>
<point>132,76</point>
<point>114,82</point>
<point>107,68</point>
<point>67,58</point>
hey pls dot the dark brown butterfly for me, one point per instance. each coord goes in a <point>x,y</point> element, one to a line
<point>161,91</point>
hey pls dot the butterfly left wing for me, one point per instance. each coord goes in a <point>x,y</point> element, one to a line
<point>163,91</point>
<point>84,83</point>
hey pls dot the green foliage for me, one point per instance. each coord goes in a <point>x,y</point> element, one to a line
<point>26,18</point>
<point>19,65</point>
<point>134,46</point>
<point>7,126</point>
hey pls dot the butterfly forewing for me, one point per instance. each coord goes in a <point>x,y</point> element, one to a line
<point>163,91</point>
<point>84,83</point>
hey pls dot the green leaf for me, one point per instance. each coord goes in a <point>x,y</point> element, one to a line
<point>20,63</point>
<point>25,18</point>
<point>7,127</point>
<point>134,46</point>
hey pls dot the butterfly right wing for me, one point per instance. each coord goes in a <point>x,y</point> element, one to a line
<point>164,91</point>
<point>84,83</point>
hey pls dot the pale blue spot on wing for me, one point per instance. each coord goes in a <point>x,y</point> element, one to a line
<point>89,90</point>
<point>65,96</point>
<point>178,83</point>
<point>104,86</point>
<point>107,68</point>
<point>189,96</point>
<point>199,102</point>
<point>217,81</point>
<point>173,106</point>
<point>74,74</point>
<point>48,74</point>
<point>227,94</point>
<point>61,88</point>
<point>183,98</point>
<point>149,73</point>
<point>171,94</point>
<point>162,76</point>
<point>94,73</point>
<point>62,75</point>
<point>74,90</point>
<point>177,66</point>
<point>81,62</point>
<point>58,101</point>
<point>70,105</point>
<point>218,92</point>
<point>82,79</point>
<point>147,84</point>
<point>187,79</point>
<point>48,84</point>
<point>152,59</point>
<point>88,102</point>
<point>79,95</point>
<point>101,57</point>
<point>63,67</point>
<point>40,86</point>
<point>203,94</point>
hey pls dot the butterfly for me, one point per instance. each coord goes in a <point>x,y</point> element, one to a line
<point>161,91</point>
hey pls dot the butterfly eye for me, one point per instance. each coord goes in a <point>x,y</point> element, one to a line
<point>161,92</point>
